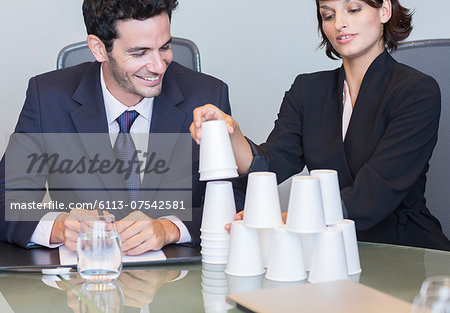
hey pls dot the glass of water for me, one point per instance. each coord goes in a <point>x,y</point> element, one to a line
<point>99,252</point>
<point>434,296</point>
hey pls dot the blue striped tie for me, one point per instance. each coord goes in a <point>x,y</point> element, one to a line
<point>125,149</point>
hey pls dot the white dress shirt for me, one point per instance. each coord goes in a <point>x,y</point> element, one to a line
<point>347,111</point>
<point>139,132</point>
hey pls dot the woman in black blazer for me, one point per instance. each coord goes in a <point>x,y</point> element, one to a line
<point>373,120</point>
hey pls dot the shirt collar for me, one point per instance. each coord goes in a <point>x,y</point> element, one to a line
<point>114,108</point>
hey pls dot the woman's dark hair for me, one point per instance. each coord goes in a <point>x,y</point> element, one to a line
<point>396,29</point>
<point>101,16</point>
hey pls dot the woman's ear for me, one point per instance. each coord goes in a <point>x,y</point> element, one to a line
<point>97,48</point>
<point>385,11</point>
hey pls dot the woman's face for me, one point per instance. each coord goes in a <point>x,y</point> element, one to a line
<point>354,28</point>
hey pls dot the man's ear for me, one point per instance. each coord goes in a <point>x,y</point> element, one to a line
<point>97,48</point>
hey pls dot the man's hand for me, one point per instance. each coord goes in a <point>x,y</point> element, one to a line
<point>140,286</point>
<point>67,226</point>
<point>139,233</point>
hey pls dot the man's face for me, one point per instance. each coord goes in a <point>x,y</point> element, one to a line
<point>139,58</point>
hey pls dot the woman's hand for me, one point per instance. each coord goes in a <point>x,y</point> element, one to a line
<point>241,148</point>
<point>209,112</point>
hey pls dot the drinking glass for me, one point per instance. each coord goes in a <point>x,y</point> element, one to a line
<point>99,252</point>
<point>434,296</point>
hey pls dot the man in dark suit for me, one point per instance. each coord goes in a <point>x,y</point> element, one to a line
<point>134,79</point>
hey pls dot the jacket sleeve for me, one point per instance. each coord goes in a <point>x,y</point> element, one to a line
<point>12,173</point>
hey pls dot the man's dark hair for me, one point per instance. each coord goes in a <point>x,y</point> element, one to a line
<point>101,16</point>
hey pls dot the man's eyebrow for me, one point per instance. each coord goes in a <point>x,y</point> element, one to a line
<point>136,49</point>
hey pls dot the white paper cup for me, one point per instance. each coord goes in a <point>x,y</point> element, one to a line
<point>216,154</point>
<point>308,246</point>
<point>305,211</point>
<point>214,236</point>
<point>214,282</point>
<point>265,242</point>
<point>210,299</point>
<point>262,203</point>
<point>286,258</point>
<point>213,267</point>
<point>244,257</point>
<point>214,259</point>
<point>214,243</point>
<point>329,262</point>
<point>213,275</point>
<point>351,246</point>
<point>214,251</point>
<point>219,208</point>
<point>238,284</point>
<point>331,195</point>
<point>267,283</point>
<point>214,289</point>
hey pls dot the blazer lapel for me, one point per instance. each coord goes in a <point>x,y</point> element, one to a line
<point>365,111</point>
<point>90,118</point>
<point>167,117</point>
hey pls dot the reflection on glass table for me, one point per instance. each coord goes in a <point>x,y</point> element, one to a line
<point>189,288</point>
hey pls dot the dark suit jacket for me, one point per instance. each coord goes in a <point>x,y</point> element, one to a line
<point>382,162</point>
<point>71,101</point>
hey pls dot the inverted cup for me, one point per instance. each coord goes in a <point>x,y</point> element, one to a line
<point>305,210</point>
<point>351,246</point>
<point>244,257</point>
<point>214,251</point>
<point>286,258</point>
<point>265,242</point>
<point>213,267</point>
<point>214,243</point>
<point>331,195</point>
<point>328,261</point>
<point>238,284</point>
<point>219,208</point>
<point>214,236</point>
<point>262,203</point>
<point>214,259</point>
<point>213,275</point>
<point>216,154</point>
<point>308,246</point>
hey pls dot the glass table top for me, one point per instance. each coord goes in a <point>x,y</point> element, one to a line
<point>398,271</point>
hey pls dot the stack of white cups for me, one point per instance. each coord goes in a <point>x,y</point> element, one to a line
<point>216,162</point>
<point>218,209</point>
<point>214,288</point>
<point>331,252</point>
<point>315,238</point>
<point>262,213</point>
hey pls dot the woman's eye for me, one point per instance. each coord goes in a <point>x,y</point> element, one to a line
<point>354,10</point>
<point>327,17</point>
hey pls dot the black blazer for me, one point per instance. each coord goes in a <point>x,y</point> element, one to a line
<point>71,101</point>
<point>382,162</point>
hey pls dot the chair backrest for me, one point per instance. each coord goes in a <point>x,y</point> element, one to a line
<point>185,52</point>
<point>433,58</point>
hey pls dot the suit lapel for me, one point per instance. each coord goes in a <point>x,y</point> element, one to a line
<point>167,117</point>
<point>365,112</point>
<point>90,118</point>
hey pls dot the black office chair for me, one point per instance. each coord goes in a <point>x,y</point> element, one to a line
<point>185,52</point>
<point>433,58</point>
